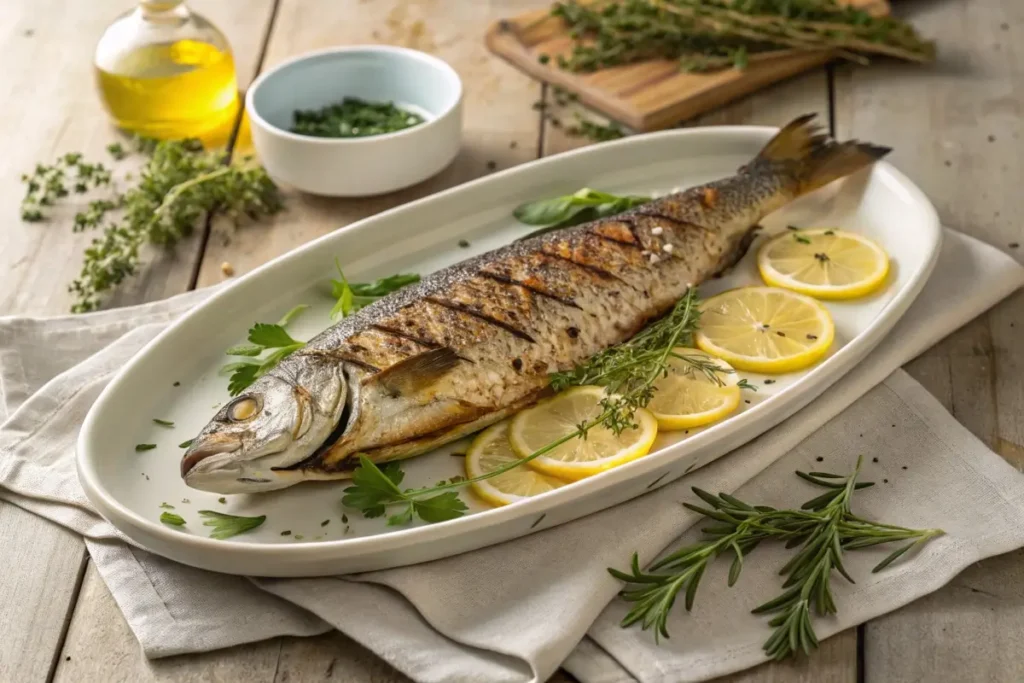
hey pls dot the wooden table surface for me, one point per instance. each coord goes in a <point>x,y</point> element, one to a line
<point>956,129</point>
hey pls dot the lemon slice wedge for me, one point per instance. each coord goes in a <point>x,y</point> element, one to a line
<point>489,451</point>
<point>697,390</point>
<point>765,329</point>
<point>827,264</point>
<point>602,449</point>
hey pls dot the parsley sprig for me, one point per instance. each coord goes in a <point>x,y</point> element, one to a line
<point>251,364</point>
<point>226,526</point>
<point>823,528</point>
<point>353,296</point>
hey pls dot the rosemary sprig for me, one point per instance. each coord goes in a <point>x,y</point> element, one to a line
<point>629,371</point>
<point>710,34</point>
<point>823,529</point>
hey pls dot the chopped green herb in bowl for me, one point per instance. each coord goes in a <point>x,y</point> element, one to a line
<point>354,118</point>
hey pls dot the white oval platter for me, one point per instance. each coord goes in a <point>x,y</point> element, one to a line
<point>128,487</point>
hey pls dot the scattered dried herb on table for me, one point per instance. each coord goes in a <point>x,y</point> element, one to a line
<point>710,34</point>
<point>353,118</point>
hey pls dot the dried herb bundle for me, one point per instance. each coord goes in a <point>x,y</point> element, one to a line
<point>710,34</point>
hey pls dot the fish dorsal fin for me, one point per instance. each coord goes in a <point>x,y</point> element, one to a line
<point>416,373</point>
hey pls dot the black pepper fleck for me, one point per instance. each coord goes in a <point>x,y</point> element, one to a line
<point>517,364</point>
<point>491,165</point>
<point>885,481</point>
<point>1014,245</point>
<point>513,144</point>
<point>177,384</point>
<point>325,522</point>
<point>769,381</point>
<point>746,400</point>
<point>464,243</point>
<point>286,533</point>
<point>948,163</point>
<point>904,467</point>
<point>812,337</point>
<point>874,459</point>
<point>991,138</point>
<point>573,332</point>
<point>820,459</point>
<point>781,334</point>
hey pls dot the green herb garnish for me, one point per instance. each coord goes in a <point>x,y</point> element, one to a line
<point>140,447</point>
<point>353,118</point>
<point>823,528</point>
<point>573,209</point>
<point>591,130</point>
<point>226,526</point>
<point>180,186</point>
<point>166,506</point>
<point>172,519</point>
<point>353,296</point>
<point>262,337</point>
<point>185,444</point>
<point>163,423</point>
<point>801,239</point>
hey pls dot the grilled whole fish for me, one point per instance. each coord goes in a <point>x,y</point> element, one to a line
<point>476,342</point>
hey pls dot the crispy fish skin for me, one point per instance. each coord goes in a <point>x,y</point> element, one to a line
<point>477,341</point>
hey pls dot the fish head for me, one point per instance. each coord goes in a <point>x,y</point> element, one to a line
<point>279,421</point>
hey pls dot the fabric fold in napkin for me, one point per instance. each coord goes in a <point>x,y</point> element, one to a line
<point>515,612</point>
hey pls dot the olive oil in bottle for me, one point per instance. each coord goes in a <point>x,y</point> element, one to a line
<point>166,72</point>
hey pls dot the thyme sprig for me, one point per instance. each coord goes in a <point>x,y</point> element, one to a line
<point>710,34</point>
<point>180,185</point>
<point>823,528</point>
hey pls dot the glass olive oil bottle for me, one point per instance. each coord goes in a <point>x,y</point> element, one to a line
<point>165,72</point>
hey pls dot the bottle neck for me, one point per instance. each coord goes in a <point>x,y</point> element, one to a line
<point>163,11</point>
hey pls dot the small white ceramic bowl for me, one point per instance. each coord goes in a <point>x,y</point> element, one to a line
<point>357,167</point>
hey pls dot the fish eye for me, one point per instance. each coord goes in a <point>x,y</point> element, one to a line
<point>243,408</point>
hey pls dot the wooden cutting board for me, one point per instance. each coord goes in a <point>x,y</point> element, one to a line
<point>648,95</point>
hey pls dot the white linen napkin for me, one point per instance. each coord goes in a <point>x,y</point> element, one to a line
<point>518,610</point>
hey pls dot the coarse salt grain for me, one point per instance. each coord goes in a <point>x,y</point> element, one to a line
<point>657,231</point>
<point>667,248</point>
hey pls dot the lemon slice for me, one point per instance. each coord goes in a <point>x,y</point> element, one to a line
<point>602,449</point>
<point>827,264</point>
<point>693,393</point>
<point>765,329</point>
<point>491,450</point>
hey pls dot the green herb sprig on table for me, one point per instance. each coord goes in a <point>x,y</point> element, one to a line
<point>823,529</point>
<point>703,35</point>
<point>573,209</point>
<point>353,118</point>
<point>179,185</point>
<point>629,370</point>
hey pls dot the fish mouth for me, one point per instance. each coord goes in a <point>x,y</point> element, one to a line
<point>203,449</point>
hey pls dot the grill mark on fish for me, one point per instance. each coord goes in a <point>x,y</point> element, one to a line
<point>335,355</point>
<point>405,335</point>
<point>539,292</point>
<point>652,212</point>
<point>461,308</point>
<point>600,272</point>
<point>635,245</point>
<point>631,224</point>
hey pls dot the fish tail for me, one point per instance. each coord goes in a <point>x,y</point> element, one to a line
<point>812,158</point>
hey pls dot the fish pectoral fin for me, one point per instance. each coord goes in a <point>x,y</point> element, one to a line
<point>414,374</point>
